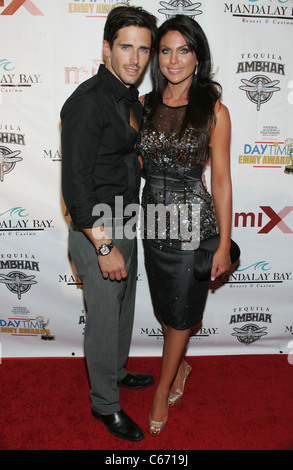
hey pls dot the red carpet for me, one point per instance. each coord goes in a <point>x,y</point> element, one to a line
<point>230,403</point>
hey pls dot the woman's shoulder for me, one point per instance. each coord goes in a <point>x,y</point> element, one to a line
<point>222,113</point>
<point>220,108</point>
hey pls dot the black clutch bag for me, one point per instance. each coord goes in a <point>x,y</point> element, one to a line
<point>203,256</point>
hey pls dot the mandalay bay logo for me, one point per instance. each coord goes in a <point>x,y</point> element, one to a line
<point>272,12</point>
<point>15,81</point>
<point>258,275</point>
<point>15,221</point>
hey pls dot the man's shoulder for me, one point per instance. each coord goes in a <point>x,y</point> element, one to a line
<point>92,92</point>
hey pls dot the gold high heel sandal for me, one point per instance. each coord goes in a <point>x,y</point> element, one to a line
<point>156,427</point>
<point>175,398</point>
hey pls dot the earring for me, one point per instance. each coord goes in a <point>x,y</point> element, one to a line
<point>195,70</point>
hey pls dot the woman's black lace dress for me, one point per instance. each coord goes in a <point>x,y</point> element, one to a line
<point>177,212</point>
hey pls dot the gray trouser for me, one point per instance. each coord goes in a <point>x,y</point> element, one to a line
<point>110,311</point>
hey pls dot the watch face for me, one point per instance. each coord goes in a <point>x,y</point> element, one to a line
<point>105,250</point>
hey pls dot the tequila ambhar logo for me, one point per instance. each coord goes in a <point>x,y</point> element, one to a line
<point>250,332</point>
<point>14,5</point>
<point>17,282</point>
<point>8,160</point>
<point>9,135</point>
<point>180,7</point>
<point>259,89</point>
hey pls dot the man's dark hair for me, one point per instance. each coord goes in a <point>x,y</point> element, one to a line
<point>120,17</point>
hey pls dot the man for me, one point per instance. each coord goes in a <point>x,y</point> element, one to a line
<point>100,121</point>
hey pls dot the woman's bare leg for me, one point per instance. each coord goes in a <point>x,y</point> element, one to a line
<point>178,380</point>
<point>174,348</point>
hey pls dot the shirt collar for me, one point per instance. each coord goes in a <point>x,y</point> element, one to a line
<point>117,88</point>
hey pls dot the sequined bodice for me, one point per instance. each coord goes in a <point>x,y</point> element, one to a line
<point>173,168</point>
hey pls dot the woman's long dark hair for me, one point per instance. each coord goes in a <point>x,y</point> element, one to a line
<point>203,92</point>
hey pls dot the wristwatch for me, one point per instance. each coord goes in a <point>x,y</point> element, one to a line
<point>105,248</point>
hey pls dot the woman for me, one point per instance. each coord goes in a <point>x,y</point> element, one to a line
<point>184,123</point>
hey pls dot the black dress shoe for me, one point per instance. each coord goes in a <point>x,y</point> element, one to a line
<point>136,381</point>
<point>120,425</point>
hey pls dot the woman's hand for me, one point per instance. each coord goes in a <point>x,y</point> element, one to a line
<point>221,263</point>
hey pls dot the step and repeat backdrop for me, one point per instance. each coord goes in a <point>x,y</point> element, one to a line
<point>48,47</point>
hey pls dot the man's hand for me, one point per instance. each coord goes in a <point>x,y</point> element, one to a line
<point>113,265</point>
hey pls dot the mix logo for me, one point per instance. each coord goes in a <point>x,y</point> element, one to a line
<point>256,220</point>
<point>77,75</point>
<point>14,5</point>
<point>180,7</point>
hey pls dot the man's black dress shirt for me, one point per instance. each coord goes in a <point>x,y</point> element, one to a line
<point>99,160</point>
